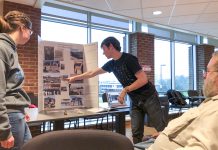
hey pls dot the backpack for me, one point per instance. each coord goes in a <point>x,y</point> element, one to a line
<point>176,97</point>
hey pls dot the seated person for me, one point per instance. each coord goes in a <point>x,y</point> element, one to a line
<point>197,128</point>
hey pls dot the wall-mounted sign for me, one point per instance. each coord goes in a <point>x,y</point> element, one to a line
<point>146,68</point>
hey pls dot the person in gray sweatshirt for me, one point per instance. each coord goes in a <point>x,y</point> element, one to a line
<point>15,29</point>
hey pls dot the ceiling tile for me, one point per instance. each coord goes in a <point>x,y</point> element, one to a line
<point>96,4</point>
<point>191,28</point>
<point>188,26</point>
<point>183,19</point>
<point>212,7</point>
<point>192,1</point>
<point>162,21</point>
<point>148,12</point>
<point>208,18</point>
<point>189,9</point>
<point>206,25</point>
<point>134,13</point>
<point>124,4</point>
<point>156,3</point>
<point>73,0</point>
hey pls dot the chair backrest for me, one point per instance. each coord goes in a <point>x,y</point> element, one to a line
<point>193,93</point>
<point>176,97</point>
<point>80,139</point>
<point>164,102</point>
<point>105,97</point>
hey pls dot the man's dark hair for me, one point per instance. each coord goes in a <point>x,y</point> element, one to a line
<point>113,41</point>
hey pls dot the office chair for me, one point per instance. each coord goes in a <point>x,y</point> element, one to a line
<point>194,98</point>
<point>80,139</point>
<point>98,119</point>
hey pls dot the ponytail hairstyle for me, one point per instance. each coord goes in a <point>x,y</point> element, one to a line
<point>13,20</point>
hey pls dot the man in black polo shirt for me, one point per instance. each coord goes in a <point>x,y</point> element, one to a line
<point>144,97</point>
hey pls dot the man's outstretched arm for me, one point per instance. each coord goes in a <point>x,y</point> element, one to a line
<point>86,75</point>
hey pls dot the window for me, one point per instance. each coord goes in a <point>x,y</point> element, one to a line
<point>174,67</point>
<point>109,22</point>
<point>59,32</point>
<point>183,67</point>
<point>162,65</point>
<point>51,10</point>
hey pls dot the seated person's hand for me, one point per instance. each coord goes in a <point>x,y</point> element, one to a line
<point>155,135</point>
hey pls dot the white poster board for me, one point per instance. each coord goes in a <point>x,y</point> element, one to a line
<point>62,60</point>
<point>91,85</point>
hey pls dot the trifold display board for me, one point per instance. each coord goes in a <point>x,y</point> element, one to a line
<point>57,61</point>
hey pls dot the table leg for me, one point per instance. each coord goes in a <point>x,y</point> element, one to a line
<point>58,125</point>
<point>120,123</point>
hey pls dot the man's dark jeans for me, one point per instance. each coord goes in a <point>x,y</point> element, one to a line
<point>152,108</point>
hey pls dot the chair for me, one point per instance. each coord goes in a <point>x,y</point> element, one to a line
<point>164,106</point>
<point>98,119</point>
<point>72,123</point>
<point>164,102</point>
<point>81,139</point>
<point>195,98</point>
<point>105,97</point>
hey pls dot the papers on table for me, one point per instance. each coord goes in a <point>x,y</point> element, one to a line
<point>97,110</point>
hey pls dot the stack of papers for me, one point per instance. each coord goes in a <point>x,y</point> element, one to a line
<point>97,110</point>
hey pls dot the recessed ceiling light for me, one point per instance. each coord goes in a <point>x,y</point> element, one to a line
<point>157,12</point>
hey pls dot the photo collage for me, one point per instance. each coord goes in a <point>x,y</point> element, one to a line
<point>59,63</point>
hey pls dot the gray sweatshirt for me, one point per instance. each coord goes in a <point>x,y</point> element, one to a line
<point>12,97</point>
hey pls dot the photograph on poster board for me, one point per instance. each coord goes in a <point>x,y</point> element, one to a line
<point>76,81</point>
<point>63,88</point>
<point>52,89</point>
<point>76,101</point>
<point>78,67</point>
<point>64,77</point>
<point>76,54</point>
<point>76,90</point>
<point>49,102</point>
<point>62,66</point>
<point>59,55</point>
<point>65,102</point>
<point>51,79</point>
<point>51,66</point>
<point>48,53</point>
